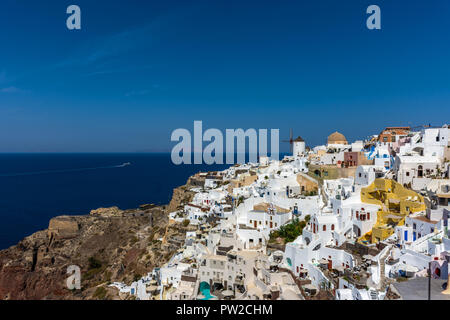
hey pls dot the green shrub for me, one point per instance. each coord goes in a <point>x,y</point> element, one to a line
<point>100,293</point>
<point>94,263</point>
<point>289,232</point>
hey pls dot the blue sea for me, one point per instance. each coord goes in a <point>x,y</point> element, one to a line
<point>36,187</point>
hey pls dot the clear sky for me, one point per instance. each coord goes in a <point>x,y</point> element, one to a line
<point>140,69</point>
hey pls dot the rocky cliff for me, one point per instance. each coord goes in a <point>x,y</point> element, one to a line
<point>108,245</point>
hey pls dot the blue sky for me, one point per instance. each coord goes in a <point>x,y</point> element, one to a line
<point>140,69</point>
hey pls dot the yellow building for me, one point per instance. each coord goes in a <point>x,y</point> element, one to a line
<point>396,203</point>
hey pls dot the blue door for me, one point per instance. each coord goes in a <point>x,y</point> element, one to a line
<point>406,235</point>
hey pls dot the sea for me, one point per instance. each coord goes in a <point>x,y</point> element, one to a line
<point>37,187</point>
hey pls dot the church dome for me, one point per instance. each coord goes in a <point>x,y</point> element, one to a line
<point>337,138</point>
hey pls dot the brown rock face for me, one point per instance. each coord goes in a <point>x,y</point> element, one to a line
<point>63,227</point>
<point>107,212</point>
<point>108,245</point>
<point>180,197</point>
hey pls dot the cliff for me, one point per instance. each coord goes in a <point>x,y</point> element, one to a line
<point>108,245</point>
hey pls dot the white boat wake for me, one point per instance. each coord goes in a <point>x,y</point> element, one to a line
<point>125,164</point>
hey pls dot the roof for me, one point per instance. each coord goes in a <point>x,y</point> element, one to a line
<point>393,128</point>
<point>424,219</point>
<point>418,159</point>
<point>299,139</point>
<point>336,136</point>
<point>216,257</point>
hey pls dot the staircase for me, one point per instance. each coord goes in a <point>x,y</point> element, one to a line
<point>383,279</point>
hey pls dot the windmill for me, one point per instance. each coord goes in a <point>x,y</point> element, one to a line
<point>291,139</point>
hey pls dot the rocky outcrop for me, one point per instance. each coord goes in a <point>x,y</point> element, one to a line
<point>63,227</point>
<point>108,245</point>
<point>107,212</point>
<point>181,196</point>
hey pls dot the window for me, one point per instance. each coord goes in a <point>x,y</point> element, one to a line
<point>324,228</point>
<point>368,215</point>
<point>332,227</point>
<point>407,173</point>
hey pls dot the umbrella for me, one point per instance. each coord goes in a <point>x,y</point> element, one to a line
<point>228,293</point>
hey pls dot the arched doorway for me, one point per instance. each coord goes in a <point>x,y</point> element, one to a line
<point>356,231</point>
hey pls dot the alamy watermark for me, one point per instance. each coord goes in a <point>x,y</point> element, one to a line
<point>73,22</point>
<point>188,148</point>
<point>74,280</point>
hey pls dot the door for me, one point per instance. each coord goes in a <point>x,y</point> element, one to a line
<point>271,225</point>
<point>255,223</point>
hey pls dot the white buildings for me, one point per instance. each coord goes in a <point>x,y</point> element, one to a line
<point>366,174</point>
<point>415,168</point>
<point>422,158</point>
<point>299,147</point>
<point>233,253</point>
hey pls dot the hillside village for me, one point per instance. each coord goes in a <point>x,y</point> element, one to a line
<point>362,220</point>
